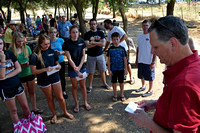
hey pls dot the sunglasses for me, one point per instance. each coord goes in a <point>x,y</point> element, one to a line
<point>53,32</point>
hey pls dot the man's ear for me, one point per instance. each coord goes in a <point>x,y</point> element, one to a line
<point>174,43</point>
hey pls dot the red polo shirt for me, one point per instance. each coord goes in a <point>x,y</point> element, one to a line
<point>178,107</point>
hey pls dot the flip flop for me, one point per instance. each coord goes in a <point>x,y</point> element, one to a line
<point>114,99</point>
<point>88,107</point>
<point>70,116</point>
<point>122,98</point>
<point>89,90</point>
<point>53,120</point>
<point>76,109</point>
<point>106,87</point>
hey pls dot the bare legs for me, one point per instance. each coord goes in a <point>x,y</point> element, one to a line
<point>91,77</point>
<point>30,87</point>
<point>11,104</point>
<point>132,80</point>
<point>121,85</point>
<point>48,91</point>
<point>150,84</point>
<point>83,92</point>
<point>143,83</point>
<point>103,78</point>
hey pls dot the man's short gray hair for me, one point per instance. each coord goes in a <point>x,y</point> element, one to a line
<point>170,26</point>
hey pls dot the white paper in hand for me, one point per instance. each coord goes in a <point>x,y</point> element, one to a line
<point>132,107</point>
<point>84,76</point>
<point>53,71</point>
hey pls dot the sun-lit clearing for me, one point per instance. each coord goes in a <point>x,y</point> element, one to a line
<point>98,123</point>
<point>107,127</point>
<point>94,119</point>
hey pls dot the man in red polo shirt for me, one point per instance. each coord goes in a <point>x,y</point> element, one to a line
<point>178,108</point>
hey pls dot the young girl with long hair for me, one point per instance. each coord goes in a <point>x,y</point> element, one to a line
<point>56,45</point>
<point>42,61</point>
<point>22,52</point>
<point>10,85</point>
<point>75,51</point>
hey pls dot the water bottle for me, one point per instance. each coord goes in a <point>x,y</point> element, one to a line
<point>124,77</point>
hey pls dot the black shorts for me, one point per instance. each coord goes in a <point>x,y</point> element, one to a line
<point>11,93</point>
<point>27,78</point>
<point>46,81</point>
<point>117,75</point>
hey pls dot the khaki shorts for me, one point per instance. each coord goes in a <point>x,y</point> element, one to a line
<point>96,62</point>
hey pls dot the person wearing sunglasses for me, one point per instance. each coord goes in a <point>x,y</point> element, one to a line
<point>56,45</point>
<point>177,109</point>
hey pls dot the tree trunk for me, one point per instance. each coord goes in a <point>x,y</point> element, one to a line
<point>64,10</point>
<point>21,13</point>
<point>9,11</point>
<point>59,10</point>
<point>170,7</point>
<point>124,18</point>
<point>95,9</point>
<point>70,12</point>
<point>55,11</point>
<point>22,17</point>
<point>113,6</point>
<point>79,8</point>
<point>68,17</point>
<point>3,13</point>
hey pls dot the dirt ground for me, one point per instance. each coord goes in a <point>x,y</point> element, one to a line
<point>106,116</point>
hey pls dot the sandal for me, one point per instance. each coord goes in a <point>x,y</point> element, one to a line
<point>106,87</point>
<point>122,98</point>
<point>69,116</point>
<point>76,110</point>
<point>132,81</point>
<point>88,107</point>
<point>38,111</point>
<point>53,120</point>
<point>114,99</point>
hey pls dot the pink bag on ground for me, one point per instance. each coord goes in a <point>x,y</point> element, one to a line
<point>34,124</point>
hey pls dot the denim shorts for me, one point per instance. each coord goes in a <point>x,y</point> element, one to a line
<point>145,72</point>
<point>73,74</point>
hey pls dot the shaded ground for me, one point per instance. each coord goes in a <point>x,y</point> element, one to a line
<point>106,116</point>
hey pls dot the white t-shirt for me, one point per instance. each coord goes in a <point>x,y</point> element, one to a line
<point>144,47</point>
<point>121,32</point>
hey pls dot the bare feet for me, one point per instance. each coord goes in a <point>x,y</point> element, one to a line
<point>69,116</point>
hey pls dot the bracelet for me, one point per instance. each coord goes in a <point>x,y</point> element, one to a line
<point>2,66</point>
<point>152,63</point>
<point>3,61</point>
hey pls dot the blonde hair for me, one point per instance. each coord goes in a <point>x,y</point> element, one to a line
<point>52,29</point>
<point>13,47</point>
<point>37,50</point>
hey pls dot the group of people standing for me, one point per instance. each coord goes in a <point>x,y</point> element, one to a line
<point>19,65</point>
